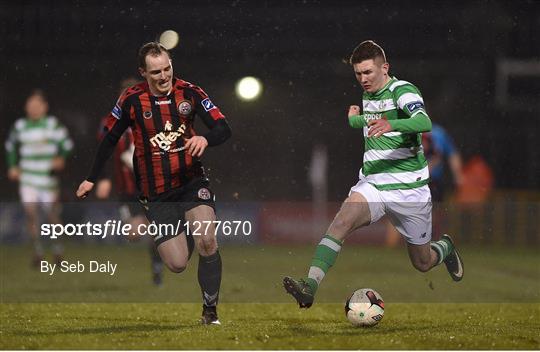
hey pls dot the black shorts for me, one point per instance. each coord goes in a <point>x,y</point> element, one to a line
<point>170,207</point>
<point>129,207</point>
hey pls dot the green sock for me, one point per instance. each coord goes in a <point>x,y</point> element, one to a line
<point>442,248</point>
<point>325,256</point>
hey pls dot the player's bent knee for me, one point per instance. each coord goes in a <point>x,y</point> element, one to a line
<point>176,266</point>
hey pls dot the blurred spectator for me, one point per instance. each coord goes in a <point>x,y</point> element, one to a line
<point>36,148</point>
<point>438,149</point>
<point>122,172</point>
<point>477,182</point>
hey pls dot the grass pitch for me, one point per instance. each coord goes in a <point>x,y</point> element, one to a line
<point>496,306</point>
<point>267,326</point>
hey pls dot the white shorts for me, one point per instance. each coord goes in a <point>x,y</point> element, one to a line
<point>409,210</point>
<point>31,194</point>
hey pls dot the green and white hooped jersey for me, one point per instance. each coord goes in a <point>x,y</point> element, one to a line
<point>32,146</point>
<point>394,160</point>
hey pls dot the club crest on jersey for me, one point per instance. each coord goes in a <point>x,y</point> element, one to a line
<point>415,106</point>
<point>207,104</point>
<point>184,108</point>
<point>147,114</point>
<point>204,194</point>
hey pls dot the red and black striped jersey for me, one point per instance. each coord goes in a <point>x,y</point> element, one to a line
<point>160,126</point>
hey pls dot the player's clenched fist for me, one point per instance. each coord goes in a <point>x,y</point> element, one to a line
<point>84,188</point>
<point>354,110</point>
<point>196,145</point>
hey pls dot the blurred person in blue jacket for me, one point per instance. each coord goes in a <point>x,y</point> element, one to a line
<point>439,148</point>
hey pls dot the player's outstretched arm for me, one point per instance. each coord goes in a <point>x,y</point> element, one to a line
<point>104,152</point>
<point>116,123</point>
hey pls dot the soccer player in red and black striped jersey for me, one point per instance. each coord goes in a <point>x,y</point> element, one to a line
<point>125,187</point>
<point>167,164</point>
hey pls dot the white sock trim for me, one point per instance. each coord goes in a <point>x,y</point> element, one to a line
<point>330,244</point>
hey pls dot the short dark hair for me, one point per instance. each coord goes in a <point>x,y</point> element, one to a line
<point>365,51</point>
<point>151,48</point>
<point>38,93</point>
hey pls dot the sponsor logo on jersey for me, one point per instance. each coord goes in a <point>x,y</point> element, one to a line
<point>207,104</point>
<point>369,117</point>
<point>414,106</point>
<point>116,111</point>
<point>163,102</point>
<point>147,114</point>
<point>164,139</point>
<point>184,108</point>
<point>204,194</point>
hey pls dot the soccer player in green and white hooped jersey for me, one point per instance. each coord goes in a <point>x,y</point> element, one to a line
<point>36,148</point>
<point>393,180</point>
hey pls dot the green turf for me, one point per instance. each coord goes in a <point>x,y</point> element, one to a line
<point>496,306</point>
<point>267,326</point>
<point>253,274</point>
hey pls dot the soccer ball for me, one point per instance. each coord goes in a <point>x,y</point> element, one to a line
<point>364,307</point>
